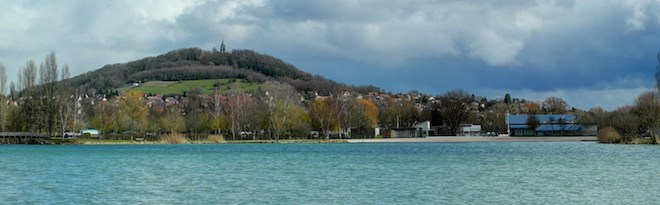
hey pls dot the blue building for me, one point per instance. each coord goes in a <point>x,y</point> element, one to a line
<point>550,125</point>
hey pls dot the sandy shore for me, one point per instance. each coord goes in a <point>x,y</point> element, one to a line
<point>478,139</point>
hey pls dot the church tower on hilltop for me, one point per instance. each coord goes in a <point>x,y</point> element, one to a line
<point>222,47</point>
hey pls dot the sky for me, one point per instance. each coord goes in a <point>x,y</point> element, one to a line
<point>589,53</point>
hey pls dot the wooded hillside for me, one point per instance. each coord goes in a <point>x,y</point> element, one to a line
<point>198,64</point>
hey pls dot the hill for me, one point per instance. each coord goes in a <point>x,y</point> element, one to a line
<point>197,64</point>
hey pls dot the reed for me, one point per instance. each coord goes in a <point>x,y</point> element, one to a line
<point>175,138</point>
<point>609,135</point>
<point>216,139</point>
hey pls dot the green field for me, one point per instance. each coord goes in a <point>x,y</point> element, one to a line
<point>206,86</point>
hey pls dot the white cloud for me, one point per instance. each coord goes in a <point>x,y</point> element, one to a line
<point>639,9</point>
<point>509,35</point>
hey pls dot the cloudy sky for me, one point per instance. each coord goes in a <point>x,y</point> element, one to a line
<point>590,53</point>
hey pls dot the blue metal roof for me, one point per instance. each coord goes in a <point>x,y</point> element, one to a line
<point>553,127</point>
<point>522,119</point>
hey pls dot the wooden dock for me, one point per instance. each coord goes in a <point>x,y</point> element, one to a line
<point>23,135</point>
<point>22,138</point>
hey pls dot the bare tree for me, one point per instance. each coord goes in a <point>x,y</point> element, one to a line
<point>283,107</point>
<point>600,116</point>
<point>237,104</point>
<point>67,102</point>
<point>3,80</point>
<point>79,112</point>
<point>255,116</point>
<point>344,104</point>
<point>657,74</point>
<point>12,90</point>
<point>27,77</point>
<point>455,109</point>
<point>624,121</point>
<point>647,108</point>
<point>533,123</point>
<point>49,76</point>
<point>324,115</point>
<point>215,112</point>
<point>555,105</point>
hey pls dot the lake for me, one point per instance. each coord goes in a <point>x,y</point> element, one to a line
<point>367,173</point>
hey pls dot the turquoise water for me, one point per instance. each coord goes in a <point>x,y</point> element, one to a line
<point>396,173</point>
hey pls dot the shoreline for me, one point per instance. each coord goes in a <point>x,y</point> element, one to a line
<point>434,139</point>
<point>477,139</point>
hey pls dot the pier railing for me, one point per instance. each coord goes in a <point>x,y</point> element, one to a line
<point>22,135</point>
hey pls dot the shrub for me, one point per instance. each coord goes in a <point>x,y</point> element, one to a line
<point>608,135</point>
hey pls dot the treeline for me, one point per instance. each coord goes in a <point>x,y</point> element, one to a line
<point>628,124</point>
<point>45,101</point>
<point>42,99</point>
<point>196,64</point>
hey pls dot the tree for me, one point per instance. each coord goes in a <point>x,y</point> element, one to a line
<point>552,122</point>
<point>657,74</point>
<point>507,98</point>
<point>555,105</point>
<point>532,108</point>
<point>624,121</point>
<point>102,119</point>
<point>454,109</point>
<point>67,102</point>
<point>255,117</point>
<point>283,107</point>
<point>647,108</point>
<point>236,104</point>
<point>13,93</point>
<point>343,103</point>
<point>533,123</point>
<point>49,76</point>
<point>215,118</point>
<point>365,115</point>
<point>400,114</point>
<point>494,121</point>
<point>504,108</point>
<point>3,80</point>
<point>136,110</point>
<point>29,115</point>
<point>301,130</point>
<point>562,125</point>
<point>120,119</point>
<point>172,120</point>
<point>324,115</point>
<point>600,117</point>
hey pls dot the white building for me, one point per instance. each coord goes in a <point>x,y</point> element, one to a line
<point>419,130</point>
<point>470,130</point>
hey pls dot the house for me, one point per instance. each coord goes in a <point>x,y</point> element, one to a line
<point>549,125</point>
<point>419,130</point>
<point>470,130</point>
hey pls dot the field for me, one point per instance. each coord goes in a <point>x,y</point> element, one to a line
<point>206,86</point>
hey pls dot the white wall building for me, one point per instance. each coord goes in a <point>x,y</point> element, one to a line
<point>470,130</point>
